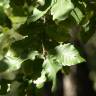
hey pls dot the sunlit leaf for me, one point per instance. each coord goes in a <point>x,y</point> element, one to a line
<point>17,21</point>
<point>51,67</point>
<point>4,45</point>
<point>37,14</point>
<point>6,39</point>
<point>13,63</point>
<point>61,9</point>
<point>77,14</point>
<point>68,55</point>
<point>4,19</point>
<point>41,80</point>
<point>35,45</point>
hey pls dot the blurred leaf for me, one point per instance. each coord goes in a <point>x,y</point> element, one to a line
<point>63,55</point>
<point>87,17</point>
<point>4,3</point>
<point>33,48</point>
<point>33,54</point>
<point>3,66</point>
<point>4,19</point>
<point>41,80</point>
<point>17,21</point>
<point>4,87</point>
<point>14,88</point>
<point>6,39</point>
<point>77,14</point>
<point>4,44</point>
<point>51,67</point>
<point>58,33</point>
<point>16,3</point>
<point>13,63</point>
<point>41,2</point>
<point>61,9</point>
<point>37,14</point>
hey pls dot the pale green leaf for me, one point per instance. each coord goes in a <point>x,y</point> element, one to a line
<point>37,14</point>
<point>61,9</point>
<point>68,55</point>
<point>51,67</point>
<point>4,45</point>
<point>17,21</point>
<point>6,39</point>
<point>41,80</point>
<point>77,14</point>
<point>14,63</point>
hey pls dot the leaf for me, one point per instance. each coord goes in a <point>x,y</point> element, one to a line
<point>67,55</point>
<point>4,19</point>
<point>51,67</point>
<point>17,21</point>
<point>3,66</point>
<point>16,3</point>
<point>41,80</point>
<point>41,2</point>
<point>37,14</point>
<point>4,87</point>
<point>32,68</point>
<point>62,55</point>
<point>13,63</point>
<point>14,88</point>
<point>4,3</point>
<point>58,33</point>
<point>4,45</point>
<point>61,9</point>
<point>32,55</point>
<point>6,39</point>
<point>77,14</point>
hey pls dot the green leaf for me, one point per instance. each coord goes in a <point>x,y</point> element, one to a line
<point>41,2</point>
<point>4,45</point>
<point>4,19</point>
<point>17,21</point>
<point>3,66</point>
<point>68,55</point>
<point>14,88</point>
<point>32,68</point>
<point>4,3</point>
<point>37,14</point>
<point>58,33</point>
<point>62,55</point>
<point>51,67</point>
<point>77,14</point>
<point>6,39</point>
<point>41,80</point>
<point>4,87</point>
<point>13,63</point>
<point>16,3</point>
<point>61,9</point>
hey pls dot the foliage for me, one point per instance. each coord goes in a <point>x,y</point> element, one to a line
<point>36,41</point>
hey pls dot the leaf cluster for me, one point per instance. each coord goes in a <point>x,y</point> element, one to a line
<point>36,41</point>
